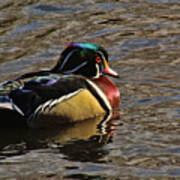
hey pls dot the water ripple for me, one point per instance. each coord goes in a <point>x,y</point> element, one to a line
<point>29,27</point>
<point>26,63</point>
<point>138,43</point>
<point>164,1</point>
<point>103,32</point>
<point>173,172</point>
<point>151,101</point>
<point>41,9</point>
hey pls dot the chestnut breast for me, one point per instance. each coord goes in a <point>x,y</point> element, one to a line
<point>109,89</point>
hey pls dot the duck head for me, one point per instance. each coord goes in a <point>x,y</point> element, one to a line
<point>87,59</point>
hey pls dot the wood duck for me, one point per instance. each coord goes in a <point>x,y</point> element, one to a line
<point>75,89</point>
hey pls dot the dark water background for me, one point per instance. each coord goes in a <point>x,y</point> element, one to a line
<point>143,40</point>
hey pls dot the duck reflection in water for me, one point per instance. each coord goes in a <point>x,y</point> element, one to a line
<point>91,134</point>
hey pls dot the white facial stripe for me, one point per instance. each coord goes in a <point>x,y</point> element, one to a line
<point>98,72</point>
<point>48,105</point>
<point>76,68</point>
<point>67,58</point>
<point>102,96</point>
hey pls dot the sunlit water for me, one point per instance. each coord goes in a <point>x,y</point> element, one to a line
<point>143,41</point>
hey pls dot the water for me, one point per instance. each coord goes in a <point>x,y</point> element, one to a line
<point>142,38</point>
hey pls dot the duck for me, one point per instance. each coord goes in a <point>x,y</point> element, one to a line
<point>77,88</point>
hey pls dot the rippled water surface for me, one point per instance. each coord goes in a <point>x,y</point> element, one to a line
<point>143,41</point>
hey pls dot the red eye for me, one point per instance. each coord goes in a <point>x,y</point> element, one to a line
<point>98,59</point>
